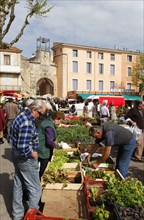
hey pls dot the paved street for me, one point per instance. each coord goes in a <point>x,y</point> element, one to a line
<point>6,179</point>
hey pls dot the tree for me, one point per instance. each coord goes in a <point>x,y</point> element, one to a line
<point>138,73</point>
<point>38,8</point>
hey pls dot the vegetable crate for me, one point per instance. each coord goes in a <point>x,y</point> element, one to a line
<point>99,184</point>
<point>34,214</point>
<point>97,174</point>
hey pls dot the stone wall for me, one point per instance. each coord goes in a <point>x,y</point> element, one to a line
<point>36,68</point>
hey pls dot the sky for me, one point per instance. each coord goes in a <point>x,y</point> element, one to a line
<point>97,23</point>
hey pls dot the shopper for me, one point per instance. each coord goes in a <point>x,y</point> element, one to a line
<point>2,124</point>
<point>136,114</point>
<point>111,135</point>
<point>72,110</point>
<point>86,110</point>
<point>47,136</point>
<point>24,141</point>
<point>112,111</point>
<point>11,110</point>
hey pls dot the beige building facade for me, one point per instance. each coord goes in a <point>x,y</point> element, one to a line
<point>31,77</point>
<point>92,69</point>
<point>72,68</point>
<point>10,69</point>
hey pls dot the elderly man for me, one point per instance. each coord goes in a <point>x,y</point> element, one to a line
<point>24,141</point>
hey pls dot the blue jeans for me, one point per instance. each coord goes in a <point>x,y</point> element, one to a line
<point>27,177</point>
<point>124,155</point>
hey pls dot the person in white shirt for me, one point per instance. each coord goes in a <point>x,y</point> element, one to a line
<point>104,111</point>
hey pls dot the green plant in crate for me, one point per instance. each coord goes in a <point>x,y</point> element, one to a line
<point>54,172</point>
<point>73,134</point>
<point>126,192</point>
<point>94,192</point>
<point>100,213</point>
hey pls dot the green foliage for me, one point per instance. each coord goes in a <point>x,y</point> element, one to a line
<point>73,122</point>
<point>94,190</point>
<point>101,213</point>
<point>73,134</point>
<point>55,172</point>
<point>138,72</point>
<point>38,8</point>
<point>126,192</point>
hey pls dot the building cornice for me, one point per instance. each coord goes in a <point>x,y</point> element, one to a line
<point>98,49</point>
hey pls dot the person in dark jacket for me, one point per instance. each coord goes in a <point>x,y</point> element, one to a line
<point>136,114</point>
<point>111,135</point>
<point>47,136</point>
<point>2,124</point>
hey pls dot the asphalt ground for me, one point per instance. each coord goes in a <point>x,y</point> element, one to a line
<point>136,170</point>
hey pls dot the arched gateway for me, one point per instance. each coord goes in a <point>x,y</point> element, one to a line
<point>45,86</point>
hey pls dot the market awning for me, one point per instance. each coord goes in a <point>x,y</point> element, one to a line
<point>86,95</point>
<point>11,93</point>
<point>132,97</point>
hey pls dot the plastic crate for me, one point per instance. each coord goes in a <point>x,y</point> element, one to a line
<point>116,213</point>
<point>87,185</point>
<point>34,214</point>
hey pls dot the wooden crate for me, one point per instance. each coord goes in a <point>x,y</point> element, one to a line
<point>67,203</point>
<point>72,166</point>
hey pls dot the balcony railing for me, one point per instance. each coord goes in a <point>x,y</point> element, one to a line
<point>10,87</point>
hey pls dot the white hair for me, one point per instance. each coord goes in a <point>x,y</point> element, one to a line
<point>28,102</point>
<point>104,102</point>
<point>37,104</point>
<point>48,106</point>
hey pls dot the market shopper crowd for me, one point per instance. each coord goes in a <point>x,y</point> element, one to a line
<point>31,132</point>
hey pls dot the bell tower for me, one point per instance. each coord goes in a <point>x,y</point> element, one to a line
<point>43,44</point>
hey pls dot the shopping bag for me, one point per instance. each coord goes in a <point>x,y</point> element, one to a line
<point>135,130</point>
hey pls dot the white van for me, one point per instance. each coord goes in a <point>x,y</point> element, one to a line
<point>116,100</point>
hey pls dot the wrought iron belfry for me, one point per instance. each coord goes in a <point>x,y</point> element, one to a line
<point>43,43</point>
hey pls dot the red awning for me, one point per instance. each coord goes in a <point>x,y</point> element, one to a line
<point>12,94</point>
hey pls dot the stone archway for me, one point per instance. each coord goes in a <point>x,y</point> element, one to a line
<point>45,86</point>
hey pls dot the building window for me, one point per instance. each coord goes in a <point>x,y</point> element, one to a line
<point>75,66</point>
<point>75,53</point>
<point>129,86</point>
<point>100,56</point>
<point>129,58</point>
<point>112,56</point>
<point>74,84</point>
<point>88,67</point>
<point>129,71</point>
<point>112,69</point>
<point>88,85</point>
<point>100,85</point>
<point>7,60</point>
<point>89,54</point>
<point>101,68</point>
<point>112,85</point>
